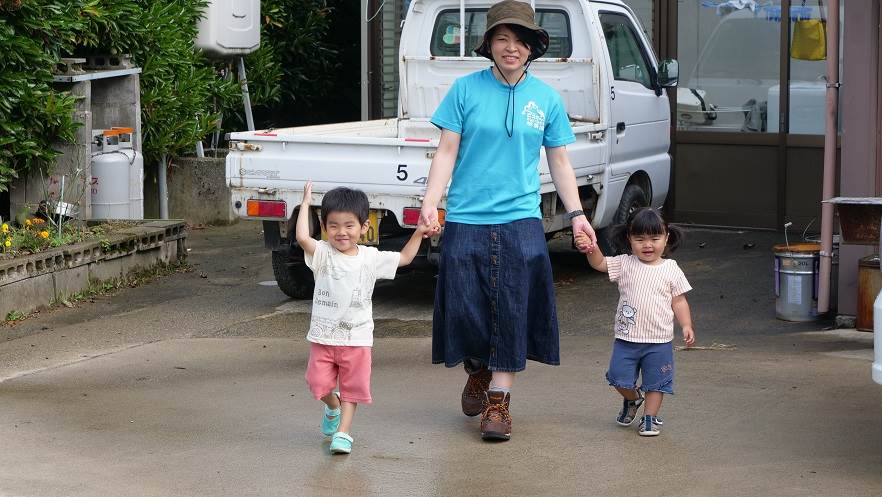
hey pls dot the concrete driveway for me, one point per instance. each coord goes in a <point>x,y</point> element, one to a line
<point>193,386</point>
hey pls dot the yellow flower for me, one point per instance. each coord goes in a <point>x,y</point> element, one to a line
<point>8,242</point>
<point>44,234</point>
<point>5,228</point>
<point>27,222</point>
<point>38,221</point>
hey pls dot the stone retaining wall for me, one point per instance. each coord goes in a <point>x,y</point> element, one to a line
<point>197,191</point>
<point>30,282</point>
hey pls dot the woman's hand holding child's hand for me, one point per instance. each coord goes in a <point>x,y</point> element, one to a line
<point>583,242</point>
<point>428,225</point>
<point>429,219</point>
<point>427,229</point>
<point>583,227</point>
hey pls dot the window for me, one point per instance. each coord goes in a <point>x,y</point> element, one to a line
<point>730,66</point>
<point>628,60</point>
<point>446,34</point>
<point>808,68</point>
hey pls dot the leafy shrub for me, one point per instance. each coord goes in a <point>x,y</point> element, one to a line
<point>182,92</point>
<point>33,115</point>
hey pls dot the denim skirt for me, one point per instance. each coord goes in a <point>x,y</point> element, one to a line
<point>494,300</point>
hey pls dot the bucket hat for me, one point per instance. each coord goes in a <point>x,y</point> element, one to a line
<point>518,14</point>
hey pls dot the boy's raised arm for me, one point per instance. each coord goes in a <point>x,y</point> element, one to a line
<point>306,242</point>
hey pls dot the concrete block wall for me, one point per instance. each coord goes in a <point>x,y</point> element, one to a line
<point>197,189</point>
<point>30,282</point>
<point>117,102</point>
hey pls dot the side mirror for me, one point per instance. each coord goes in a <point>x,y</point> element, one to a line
<point>668,73</point>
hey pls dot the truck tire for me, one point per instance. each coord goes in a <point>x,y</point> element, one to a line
<point>295,280</point>
<point>633,198</point>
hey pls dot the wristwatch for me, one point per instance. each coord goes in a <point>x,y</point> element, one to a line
<point>570,215</point>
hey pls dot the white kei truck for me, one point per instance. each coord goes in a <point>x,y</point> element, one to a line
<point>599,60</point>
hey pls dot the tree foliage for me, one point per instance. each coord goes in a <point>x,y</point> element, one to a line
<point>182,92</point>
<point>33,115</point>
<point>296,64</point>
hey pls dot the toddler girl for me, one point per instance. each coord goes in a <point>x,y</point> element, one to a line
<point>651,294</point>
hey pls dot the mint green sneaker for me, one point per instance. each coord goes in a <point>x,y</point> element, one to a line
<point>341,443</point>
<point>331,420</point>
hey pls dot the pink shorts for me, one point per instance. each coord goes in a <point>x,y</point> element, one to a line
<point>350,365</point>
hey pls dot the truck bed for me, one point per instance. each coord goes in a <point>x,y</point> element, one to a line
<point>393,156</point>
<point>382,128</point>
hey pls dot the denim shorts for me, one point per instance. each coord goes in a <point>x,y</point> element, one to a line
<point>655,361</point>
<point>494,301</point>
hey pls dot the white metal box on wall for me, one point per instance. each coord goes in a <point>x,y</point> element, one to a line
<point>229,27</point>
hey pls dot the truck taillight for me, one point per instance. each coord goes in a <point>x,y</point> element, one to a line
<point>267,208</point>
<point>411,216</point>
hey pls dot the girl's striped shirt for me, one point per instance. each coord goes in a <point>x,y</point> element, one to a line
<point>644,312</point>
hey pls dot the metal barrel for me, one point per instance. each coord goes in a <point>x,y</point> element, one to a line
<point>797,267</point>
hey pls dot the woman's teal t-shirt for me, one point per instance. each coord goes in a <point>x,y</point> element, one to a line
<point>496,177</point>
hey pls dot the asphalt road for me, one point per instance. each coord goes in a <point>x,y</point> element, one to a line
<point>193,385</point>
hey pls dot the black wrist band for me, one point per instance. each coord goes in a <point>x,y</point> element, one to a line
<point>570,215</point>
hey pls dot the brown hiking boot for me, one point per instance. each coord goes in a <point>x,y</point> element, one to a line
<point>474,392</point>
<point>496,420</point>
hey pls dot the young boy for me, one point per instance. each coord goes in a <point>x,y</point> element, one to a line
<point>341,330</point>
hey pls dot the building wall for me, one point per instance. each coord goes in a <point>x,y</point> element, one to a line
<point>860,114</point>
<point>778,173</point>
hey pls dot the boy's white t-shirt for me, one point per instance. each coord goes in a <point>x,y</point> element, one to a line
<point>644,313</point>
<point>341,303</point>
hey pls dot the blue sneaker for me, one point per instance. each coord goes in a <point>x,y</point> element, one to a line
<point>629,410</point>
<point>650,426</point>
<point>330,420</point>
<point>341,443</point>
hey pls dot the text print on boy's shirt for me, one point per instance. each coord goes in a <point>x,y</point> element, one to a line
<point>344,285</point>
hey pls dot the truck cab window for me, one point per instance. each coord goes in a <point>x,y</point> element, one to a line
<point>628,61</point>
<point>446,33</point>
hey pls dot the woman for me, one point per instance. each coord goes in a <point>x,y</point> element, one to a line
<point>494,303</point>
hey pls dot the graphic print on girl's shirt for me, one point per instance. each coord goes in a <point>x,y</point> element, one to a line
<point>625,318</point>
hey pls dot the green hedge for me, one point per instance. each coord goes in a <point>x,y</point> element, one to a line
<point>182,92</point>
<point>32,114</point>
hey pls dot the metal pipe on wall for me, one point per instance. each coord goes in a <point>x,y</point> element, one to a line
<point>163,186</point>
<point>365,66</point>
<point>246,98</point>
<point>831,132</point>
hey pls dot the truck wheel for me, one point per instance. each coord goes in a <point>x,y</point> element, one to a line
<point>295,280</point>
<point>633,198</point>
